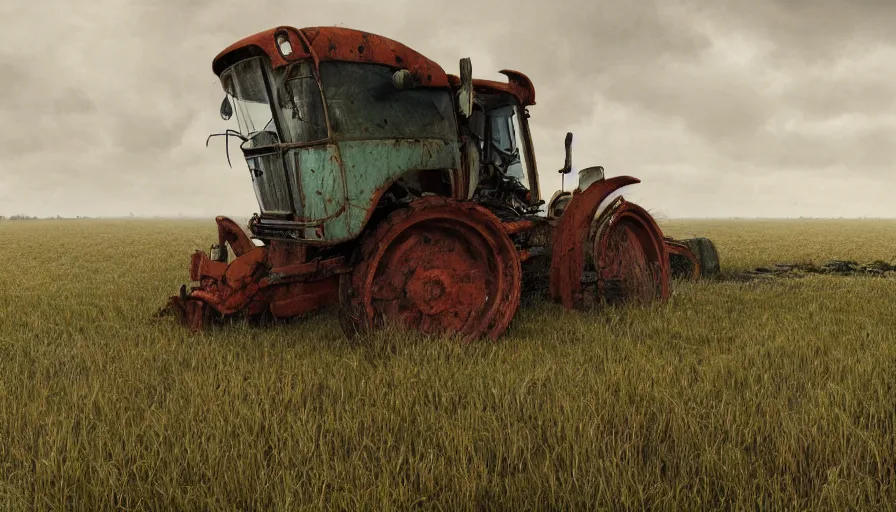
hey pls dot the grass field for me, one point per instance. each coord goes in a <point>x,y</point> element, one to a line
<point>768,394</point>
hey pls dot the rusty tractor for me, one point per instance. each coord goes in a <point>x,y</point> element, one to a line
<point>400,193</point>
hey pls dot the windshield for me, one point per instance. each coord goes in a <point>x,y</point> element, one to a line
<point>244,84</point>
<point>300,103</point>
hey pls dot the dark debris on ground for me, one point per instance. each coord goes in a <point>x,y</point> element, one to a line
<point>876,268</point>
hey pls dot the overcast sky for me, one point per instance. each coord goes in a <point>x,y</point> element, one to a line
<point>768,108</point>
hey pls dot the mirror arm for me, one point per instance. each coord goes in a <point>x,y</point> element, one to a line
<point>567,166</point>
<point>465,94</point>
<point>227,134</point>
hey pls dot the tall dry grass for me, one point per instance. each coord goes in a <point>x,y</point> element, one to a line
<point>763,395</point>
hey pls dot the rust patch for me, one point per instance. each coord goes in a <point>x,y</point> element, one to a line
<point>305,271</point>
<point>437,267</point>
<point>191,313</point>
<point>285,253</point>
<point>518,226</point>
<point>201,267</point>
<point>230,233</point>
<point>302,298</point>
<point>241,270</point>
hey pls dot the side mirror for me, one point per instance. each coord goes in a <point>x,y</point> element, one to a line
<point>567,166</point>
<point>465,95</point>
<point>226,109</point>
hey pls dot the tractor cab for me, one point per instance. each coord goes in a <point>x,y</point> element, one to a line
<point>337,126</point>
<point>331,121</point>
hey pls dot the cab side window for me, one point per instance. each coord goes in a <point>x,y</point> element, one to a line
<point>503,144</point>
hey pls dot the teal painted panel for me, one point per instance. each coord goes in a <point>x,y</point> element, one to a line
<point>372,164</point>
<point>320,192</point>
<point>369,165</point>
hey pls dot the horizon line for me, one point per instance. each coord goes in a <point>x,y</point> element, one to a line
<point>16,217</point>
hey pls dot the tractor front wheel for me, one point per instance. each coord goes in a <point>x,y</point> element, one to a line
<point>630,259</point>
<point>437,267</point>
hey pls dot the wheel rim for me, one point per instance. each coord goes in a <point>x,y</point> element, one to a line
<point>434,277</point>
<point>441,268</point>
<point>625,275</point>
<point>631,262</point>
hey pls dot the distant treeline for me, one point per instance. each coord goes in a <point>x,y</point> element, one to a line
<point>22,216</point>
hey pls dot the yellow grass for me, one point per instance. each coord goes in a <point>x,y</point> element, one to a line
<point>765,395</point>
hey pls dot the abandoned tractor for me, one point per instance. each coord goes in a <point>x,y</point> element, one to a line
<point>405,194</point>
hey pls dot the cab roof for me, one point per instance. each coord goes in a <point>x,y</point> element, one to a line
<point>333,43</point>
<point>350,45</point>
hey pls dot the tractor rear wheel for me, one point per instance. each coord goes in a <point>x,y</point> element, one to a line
<point>438,267</point>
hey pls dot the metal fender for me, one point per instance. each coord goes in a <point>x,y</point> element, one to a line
<point>576,238</point>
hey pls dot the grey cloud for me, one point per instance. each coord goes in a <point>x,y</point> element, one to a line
<point>702,100</point>
<point>812,31</point>
<point>146,130</point>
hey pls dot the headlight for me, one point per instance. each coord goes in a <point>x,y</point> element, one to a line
<point>589,176</point>
<point>284,44</point>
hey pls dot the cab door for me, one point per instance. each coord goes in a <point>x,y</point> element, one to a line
<point>508,147</point>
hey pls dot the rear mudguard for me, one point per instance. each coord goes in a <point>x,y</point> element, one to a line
<point>575,236</point>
